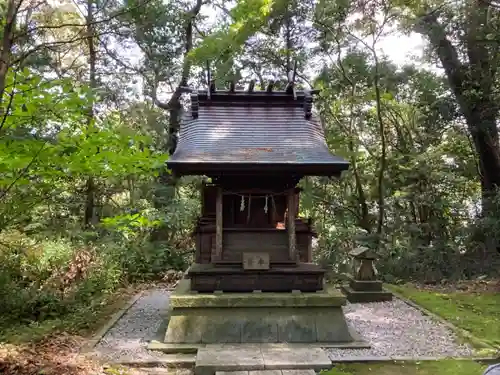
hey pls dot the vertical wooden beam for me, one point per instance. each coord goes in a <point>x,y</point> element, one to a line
<point>297,202</point>
<point>309,249</point>
<point>309,241</point>
<point>218,225</point>
<point>292,241</point>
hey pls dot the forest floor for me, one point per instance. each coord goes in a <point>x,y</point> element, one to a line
<point>53,346</point>
<point>472,306</point>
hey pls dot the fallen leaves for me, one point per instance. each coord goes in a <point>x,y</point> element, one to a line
<point>56,355</point>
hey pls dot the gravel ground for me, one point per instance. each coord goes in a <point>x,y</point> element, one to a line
<point>395,329</point>
<point>128,338</point>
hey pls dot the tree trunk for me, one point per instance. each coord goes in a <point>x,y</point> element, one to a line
<point>383,157</point>
<point>483,129</point>
<point>174,104</point>
<point>90,190</point>
<point>472,84</point>
<point>9,21</point>
<point>89,203</point>
<point>364,215</point>
<point>163,196</point>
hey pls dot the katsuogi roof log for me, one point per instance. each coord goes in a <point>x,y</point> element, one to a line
<point>240,131</point>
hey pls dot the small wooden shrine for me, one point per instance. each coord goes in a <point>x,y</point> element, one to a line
<point>253,279</point>
<point>255,146</point>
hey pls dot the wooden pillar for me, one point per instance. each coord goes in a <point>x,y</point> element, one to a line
<point>292,241</point>
<point>218,225</point>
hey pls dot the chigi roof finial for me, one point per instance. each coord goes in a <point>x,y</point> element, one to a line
<point>251,86</point>
<point>290,87</point>
<point>195,104</point>
<point>308,102</point>
<point>209,79</point>
<point>270,86</point>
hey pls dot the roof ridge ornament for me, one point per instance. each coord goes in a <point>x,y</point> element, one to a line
<point>251,86</point>
<point>195,104</point>
<point>270,87</point>
<point>209,79</point>
<point>290,87</point>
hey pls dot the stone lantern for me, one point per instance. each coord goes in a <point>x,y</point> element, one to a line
<point>363,284</point>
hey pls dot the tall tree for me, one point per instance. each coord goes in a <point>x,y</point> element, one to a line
<point>465,37</point>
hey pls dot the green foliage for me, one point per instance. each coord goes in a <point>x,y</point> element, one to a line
<point>44,280</point>
<point>60,144</point>
<point>429,183</point>
<point>49,267</point>
<point>250,17</point>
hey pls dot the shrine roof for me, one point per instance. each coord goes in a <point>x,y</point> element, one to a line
<point>239,130</point>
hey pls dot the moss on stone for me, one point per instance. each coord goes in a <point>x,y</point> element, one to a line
<point>183,297</point>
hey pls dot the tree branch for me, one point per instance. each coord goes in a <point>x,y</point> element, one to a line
<point>174,100</point>
<point>476,37</point>
<point>429,26</point>
<point>23,172</point>
<point>85,24</point>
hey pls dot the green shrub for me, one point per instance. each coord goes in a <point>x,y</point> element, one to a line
<point>44,277</point>
<point>144,260</point>
<point>47,279</point>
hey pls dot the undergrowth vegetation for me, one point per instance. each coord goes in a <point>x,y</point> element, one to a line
<point>51,281</point>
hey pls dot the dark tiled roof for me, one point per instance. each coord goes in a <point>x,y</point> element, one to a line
<point>253,134</point>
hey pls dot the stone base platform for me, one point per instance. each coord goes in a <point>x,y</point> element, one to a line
<point>365,291</point>
<point>306,277</point>
<point>219,318</point>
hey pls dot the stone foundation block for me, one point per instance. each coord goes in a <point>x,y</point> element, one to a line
<point>256,318</point>
<point>366,296</point>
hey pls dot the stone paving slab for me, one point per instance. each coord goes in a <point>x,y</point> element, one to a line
<point>286,357</point>
<point>258,357</point>
<point>228,358</point>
